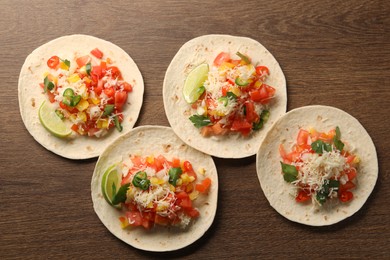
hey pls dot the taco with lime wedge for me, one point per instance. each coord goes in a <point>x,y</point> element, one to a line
<point>222,93</point>
<point>77,93</point>
<point>317,165</point>
<point>153,191</point>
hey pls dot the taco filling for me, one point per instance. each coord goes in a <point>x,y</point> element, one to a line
<point>87,92</point>
<point>320,167</point>
<point>156,191</point>
<point>233,97</point>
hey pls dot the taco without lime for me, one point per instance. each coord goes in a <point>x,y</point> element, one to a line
<point>77,93</point>
<point>153,191</point>
<point>222,93</point>
<point>317,165</point>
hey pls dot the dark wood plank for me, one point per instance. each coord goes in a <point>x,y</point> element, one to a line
<point>332,52</point>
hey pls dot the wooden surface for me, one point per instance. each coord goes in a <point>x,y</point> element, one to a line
<point>333,53</point>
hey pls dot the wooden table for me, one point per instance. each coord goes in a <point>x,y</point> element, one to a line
<point>333,53</point>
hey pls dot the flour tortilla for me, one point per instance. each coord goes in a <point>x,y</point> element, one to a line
<point>146,141</point>
<point>285,130</point>
<point>204,49</point>
<point>31,96</point>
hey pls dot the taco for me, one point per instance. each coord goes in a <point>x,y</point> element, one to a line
<point>77,93</point>
<point>222,93</point>
<point>154,192</point>
<point>317,165</point>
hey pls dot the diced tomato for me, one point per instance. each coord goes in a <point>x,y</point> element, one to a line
<point>115,72</point>
<point>302,196</point>
<point>218,129</point>
<point>181,195</point>
<point>137,161</point>
<point>193,213</point>
<point>98,90</point>
<point>204,185</point>
<point>53,62</point>
<point>127,87</point>
<point>351,173</point>
<point>221,58</point>
<point>75,128</point>
<point>350,158</point>
<point>262,70</point>
<point>206,131</point>
<point>250,114</point>
<point>303,137</point>
<point>110,92</point>
<point>242,126</point>
<point>120,99</point>
<point>347,186</point>
<point>97,71</point>
<point>187,166</point>
<point>160,220</point>
<point>134,218</point>
<point>51,96</point>
<point>186,203</point>
<point>97,53</point>
<point>225,90</point>
<point>345,196</point>
<point>83,60</point>
<point>103,65</point>
<point>259,95</point>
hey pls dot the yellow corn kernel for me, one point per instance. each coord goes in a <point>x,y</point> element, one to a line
<point>87,80</point>
<point>73,118</point>
<point>236,91</point>
<point>82,116</point>
<point>108,61</point>
<point>82,105</point>
<point>73,78</point>
<point>156,181</point>
<point>179,182</point>
<point>63,66</point>
<point>185,178</point>
<point>83,70</point>
<point>161,207</point>
<point>124,222</point>
<point>150,159</point>
<point>356,160</point>
<point>189,187</point>
<point>45,74</point>
<point>193,195</point>
<point>94,100</point>
<point>102,123</point>
<point>150,205</point>
<point>172,188</point>
<point>258,84</point>
<point>202,171</point>
<point>192,178</point>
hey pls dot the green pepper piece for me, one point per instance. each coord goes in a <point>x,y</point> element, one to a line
<point>240,82</point>
<point>88,68</point>
<point>223,100</point>
<point>68,93</point>
<point>108,109</point>
<point>290,172</point>
<point>243,57</point>
<point>48,85</point>
<point>75,100</point>
<point>118,125</point>
<point>141,181</point>
<point>174,175</point>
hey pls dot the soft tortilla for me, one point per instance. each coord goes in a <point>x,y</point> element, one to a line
<point>146,141</point>
<point>204,49</point>
<point>31,96</point>
<point>285,130</point>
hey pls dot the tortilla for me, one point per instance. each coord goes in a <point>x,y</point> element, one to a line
<point>31,96</point>
<point>204,49</point>
<point>146,141</point>
<point>285,130</point>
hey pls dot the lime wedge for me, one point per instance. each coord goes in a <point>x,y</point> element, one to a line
<point>52,122</point>
<point>111,182</point>
<point>193,85</point>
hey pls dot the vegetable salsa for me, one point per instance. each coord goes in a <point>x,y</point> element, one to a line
<point>320,167</point>
<point>89,92</point>
<point>158,191</point>
<point>233,98</point>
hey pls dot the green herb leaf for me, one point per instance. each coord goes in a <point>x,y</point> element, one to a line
<point>118,125</point>
<point>290,172</point>
<point>48,85</point>
<point>243,57</point>
<point>263,119</point>
<point>174,175</point>
<point>336,140</point>
<point>319,147</point>
<point>67,62</point>
<point>108,109</point>
<point>200,121</point>
<point>265,115</point>
<point>120,196</point>
<point>88,68</point>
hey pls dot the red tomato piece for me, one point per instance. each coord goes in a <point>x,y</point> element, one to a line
<point>110,92</point>
<point>75,128</point>
<point>115,72</point>
<point>204,185</point>
<point>81,61</point>
<point>193,213</point>
<point>346,196</point>
<point>241,125</point>
<point>351,173</point>
<point>302,196</point>
<point>187,166</point>
<point>160,220</point>
<point>251,115</point>
<point>186,203</point>
<point>262,70</point>
<point>302,138</point>
<point>120,99</point>
<point>51,96</point>
<point>175,162</point>
<point>97,53</point>
<point>127,87</point>
<point>221,58</point>
<point>97,71</point>
<point>134,218</point>
<point>53,62</point>
<point>347,186</point>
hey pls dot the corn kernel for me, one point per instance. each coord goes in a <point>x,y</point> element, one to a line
<point>73,78</point>
<point>102,123</point>
<point>179,182</point>
<point>150,159</point>
<point>63,66</point>
<point>202,171</point>
<point>172,188</point>
<point>356,160</point>
<point>258,84</point>
<point>81,116</point>
<point>94,100</point>
<point>236,91</point>
<point>193,195</point>
<point>161,207</point>
<point>124,222</point>
<point>87,80</point>
<point>189,187</point>
<point>82,105</point>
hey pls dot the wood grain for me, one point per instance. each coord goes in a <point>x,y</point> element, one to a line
<point>332,53</point>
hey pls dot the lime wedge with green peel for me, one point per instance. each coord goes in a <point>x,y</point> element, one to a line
<point>111,183</point>
<point>193,85</point>
<point>52,122</point>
